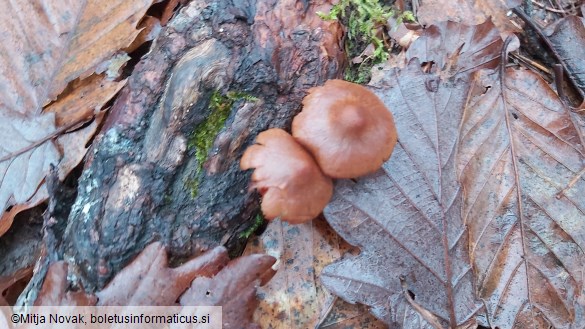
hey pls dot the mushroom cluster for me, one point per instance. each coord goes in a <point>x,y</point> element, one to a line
<point>343,131</point>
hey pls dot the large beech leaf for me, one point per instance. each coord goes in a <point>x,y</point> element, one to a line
<point>406,218</point>
<point>519,151</point>
<point>48,44</point>
<point>295,297</point>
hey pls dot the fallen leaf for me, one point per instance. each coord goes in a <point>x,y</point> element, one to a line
<point>22,173</point>
<point>294,297</point>
<point>12,286</point>
<point>432,12</point>
<point>458,48</point>
<point>54,291</point>
<point>45,47</point>
<point>519,149</point>
<point>567,37</point>
<point>406,218</point>
<point>86,98</point>
<point>233,288</point>
<point>469,12</point>
<point>149,281</point>
<point>344,315</point>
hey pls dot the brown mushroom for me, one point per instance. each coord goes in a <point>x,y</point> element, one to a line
<point>292,185</point>
<point>347,128</point>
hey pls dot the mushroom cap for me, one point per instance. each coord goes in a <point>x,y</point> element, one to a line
<point>347,128</point>
<point>292,185</point>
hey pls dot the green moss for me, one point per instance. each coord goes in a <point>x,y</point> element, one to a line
<point>258,221</point>
<point>366,24</point>
<point>203,136</point>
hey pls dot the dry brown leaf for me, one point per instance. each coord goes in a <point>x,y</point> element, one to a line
<point>344,315</point>
<point>54,290</point>
<point>12,286</point>
<point>568,39</point>
<point>458,48</point>
<point>85,99</point>
<point>406,218</point>
<point>412,219</point>
<point>149,281</point>
<point>44,47</point>
<point>469,12</point>
<point>294,297</point>
<point>461,11</point>
<point>21,175</point>
<point>233,288</point>
<point>519,149</point>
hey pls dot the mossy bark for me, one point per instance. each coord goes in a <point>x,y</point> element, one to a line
<point>133,187</point>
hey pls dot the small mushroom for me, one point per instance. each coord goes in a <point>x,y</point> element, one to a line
<point>347,128</point>
<point>292,185</point>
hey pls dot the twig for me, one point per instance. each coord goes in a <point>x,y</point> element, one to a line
<point>559,6</point>
<point>535,65</point>
<point>554,10</point>
<point>558,69</point>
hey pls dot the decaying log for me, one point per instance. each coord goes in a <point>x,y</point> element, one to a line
<point>143,181</point>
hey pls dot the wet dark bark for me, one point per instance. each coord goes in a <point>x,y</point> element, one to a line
<point>135,185</point>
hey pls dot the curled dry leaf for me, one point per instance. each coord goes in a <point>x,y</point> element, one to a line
<point>149,281</point>
<point>458,48</point>
<point>210,279</point>
<point>43,49</point>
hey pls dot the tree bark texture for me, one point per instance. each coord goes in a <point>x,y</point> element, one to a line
<point>138,182</point>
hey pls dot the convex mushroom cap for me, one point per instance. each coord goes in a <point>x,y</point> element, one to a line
<point>347,128</point>
<point>292,185</point>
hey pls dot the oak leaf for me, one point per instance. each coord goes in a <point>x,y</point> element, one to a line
<point>233,288</point>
